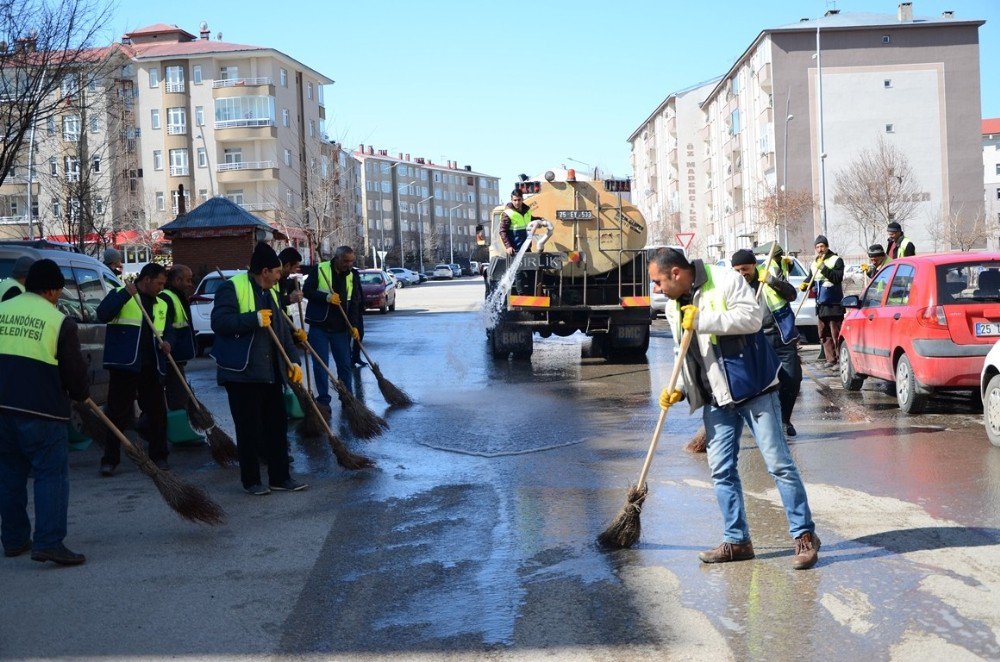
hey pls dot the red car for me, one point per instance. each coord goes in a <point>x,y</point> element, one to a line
<point>926,323</point>
<point>379,289</point>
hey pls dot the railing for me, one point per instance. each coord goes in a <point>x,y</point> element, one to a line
<point>179,171</point>
<point>242,82</point>
<point>259,206</point>
<point>174,87</point>
<point>246,165</point>
<point>14,220</point>
<point>176,129</point>
<point>232,124</point>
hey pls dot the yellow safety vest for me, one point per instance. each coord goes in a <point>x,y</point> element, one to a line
<point>325,272</point>
<point>7,284</point>
<point>244,293</point>
<point>518,221</point>
<point>29,338</point>
<point>131,314</point>
<point>181,320</point>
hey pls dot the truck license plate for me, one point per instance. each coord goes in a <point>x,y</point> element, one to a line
<point>988,328</point>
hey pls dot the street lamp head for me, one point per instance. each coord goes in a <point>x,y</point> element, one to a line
<point>790,117</point>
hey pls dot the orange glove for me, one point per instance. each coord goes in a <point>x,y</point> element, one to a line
<point>355,333</point>
<point>264,318</point>
<point>295,374</point>
<point>333,299</point>
<point>300,336</point>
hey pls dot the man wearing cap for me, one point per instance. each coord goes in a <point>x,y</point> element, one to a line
<point>288,292</point>
<point>179,333</point>
<point>827,275</point>
<point>14,285</point>
<point>113,260</point>
<point>41,346</point>
<point>253,371</point>
<point>136,362</point>
<point>898,245</point>
<point>876,260</point>
<point>778,325</point>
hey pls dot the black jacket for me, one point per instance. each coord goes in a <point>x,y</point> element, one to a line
<point>325,316</point>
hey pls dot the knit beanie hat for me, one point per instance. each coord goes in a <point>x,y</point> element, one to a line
<point>21,266</point>
<point>821,239</point>
<point>44,275</point>
<point>876,250</point>
<point>263,257</point>
<point>895,227</point>
<point>743,256</point>
<point>111,256</point>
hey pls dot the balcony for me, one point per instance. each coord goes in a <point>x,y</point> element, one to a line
<point>174,87</point>
<point>247,171</point>
<point>245,129</point>
<point>234,87</point>
<point>764,76</point>
<point>176,129</point>
<point>259,206</point>
<point>180,171</point>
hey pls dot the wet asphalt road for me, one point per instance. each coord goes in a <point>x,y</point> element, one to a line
<point>474,538</point>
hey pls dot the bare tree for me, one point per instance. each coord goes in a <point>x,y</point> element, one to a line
<point>777,210</point>
<point>41,43</point>
<point>877,187</point>
<point>963,232</point>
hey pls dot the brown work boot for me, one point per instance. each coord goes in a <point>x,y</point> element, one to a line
<point>728,551</point>
<point>806,551</point>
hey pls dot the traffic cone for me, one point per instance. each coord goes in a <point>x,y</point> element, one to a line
<point>179,430</point>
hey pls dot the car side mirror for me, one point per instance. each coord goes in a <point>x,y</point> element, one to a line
<point>851,302</point>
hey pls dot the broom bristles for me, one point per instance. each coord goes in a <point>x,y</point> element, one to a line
<point>364,423</point>
<point>345,458</point>
<point>222,446</point>
<point>310,426</point>
<point>394,395</point>
<point>698,443</point>
<point>199,416</point>
<point>624,531</point>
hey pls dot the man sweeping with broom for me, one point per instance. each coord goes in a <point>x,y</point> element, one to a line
<point>250,368</point>
<point>731,372</point>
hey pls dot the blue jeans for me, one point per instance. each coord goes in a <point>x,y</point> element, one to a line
<point>41,446</point>
<point>325,343</point>
<point>724,426</point>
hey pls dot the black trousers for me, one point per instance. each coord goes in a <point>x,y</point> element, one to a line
<point>177,396</point>
<point>789,375</point>
<point>124,389</point>
<point>261,430</point>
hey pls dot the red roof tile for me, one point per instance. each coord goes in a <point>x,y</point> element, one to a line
<point>197,47</point>
<point>991,126</point>
<point>158,28</point>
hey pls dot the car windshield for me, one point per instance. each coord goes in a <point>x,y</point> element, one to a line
<point>443,266</point>
<point>371,279</point>
<point>968,282</point>
<point>210,285</point>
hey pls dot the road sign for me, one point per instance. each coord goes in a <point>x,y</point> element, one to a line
<point>684,238</point>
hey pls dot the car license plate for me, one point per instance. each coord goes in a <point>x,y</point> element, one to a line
<point>988,328</point>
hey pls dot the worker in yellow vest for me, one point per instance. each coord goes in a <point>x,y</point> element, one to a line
<point>877,259</point>
<point>136,362</point>
<point>41,346</point>
<point>179,333</point>
<point>899,245</point>
<point>12,286</point>
<point>514,232</point>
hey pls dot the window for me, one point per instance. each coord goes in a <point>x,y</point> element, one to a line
<point>196,74</point>
<point>69,299</point>
<point>889,128</point>
<point>71,166</point>
<point>887,83</point>
<point>289,197</point>
<point>233,155</point>
<point>199,115</point>
<point>283,77</point>
<point>92,82</point>
<point>154,117</point>
<point>71,128</point>
<point>160,205</point>
<point>176,199</point>
<point>998,168</point>
<point>873,295</point>
<point>175,79</point>
<point>157,159</point>
<point>202,158</point>
<point>95,123</point>
<point>235,197</point>
<point>99,205</point>
<point>203,194</point>
<point>734,122</point>
<point>309,91</point>
<point>179,163</point>
<point>230,72</point>
<point>244,111</point>
<point>53,166</point>
<point>284,117</point>
<point>998,194</point>
<point>95,164</point>
<point>312,128</point>
<point>288,157</point>
<point>50,126</point>
<point>154,77</point>
<point>70,85</point>
<point>56,208</point>
<point>899,291</point>
<point>176,121</point>
<point>886,39</point>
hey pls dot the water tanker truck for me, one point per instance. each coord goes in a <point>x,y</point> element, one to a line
<point>585,271</point>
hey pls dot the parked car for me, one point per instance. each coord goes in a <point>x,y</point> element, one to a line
<point>379,289</point>
<point>926,323</point>
<point>203,300</point>
<point>475,268</point>
<point>405,277</point>
<point>989,389</point>
<point>88,281</point>
<point>805,321</point>
<point>456,269</point>
<point>443,271</point>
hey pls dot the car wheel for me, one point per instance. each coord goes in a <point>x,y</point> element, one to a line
<point>848,377</point>
<point>392,306</point>
<point>991,410</point>
<point>383,309</point>
<point>910,401</point>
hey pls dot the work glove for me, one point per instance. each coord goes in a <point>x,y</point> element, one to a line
<point>264,318</point>
<point>294,374</point>
<point>355,333</point>
<point>689,312</point>
<point>333,299</point>
<point>668,397</point>
<point>803,286</point>
<point>787,260</point>
<point>866,267</point>
<point>300,336</point>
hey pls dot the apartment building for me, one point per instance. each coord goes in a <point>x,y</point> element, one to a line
<point>419,213</point>
<point>991,175</point>
<point>913,82</point>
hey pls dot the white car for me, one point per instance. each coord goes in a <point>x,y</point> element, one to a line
<point>404,277</point>
<point>989,388</point>
<point>203,301</point>
<point>443,271</point>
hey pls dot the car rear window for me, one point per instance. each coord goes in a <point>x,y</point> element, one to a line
<point>6,267</point>
<point>371,279</point>
<point>210,286</point>
<point>968,282</point>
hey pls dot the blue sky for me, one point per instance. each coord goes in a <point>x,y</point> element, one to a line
<point>511,87</point>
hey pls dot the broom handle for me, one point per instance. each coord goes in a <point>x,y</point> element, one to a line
<point>812,277</point>
<point>159,338</point>
<point>290,363</point>
<point>313,352</point>
<point>674,375</point>
<point>767,268</point>
<point>347,320</point>
<point>309,372</point>
<point>107,421</point>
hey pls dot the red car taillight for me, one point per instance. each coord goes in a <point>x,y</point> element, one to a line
<point>933,317</point>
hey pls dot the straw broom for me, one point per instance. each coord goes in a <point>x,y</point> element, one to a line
<point>186,500</point>
<point>364,423</point>
<point>625,529</point>
<point>394,395</point>
<point>345,458</point>
<point>223,448</point>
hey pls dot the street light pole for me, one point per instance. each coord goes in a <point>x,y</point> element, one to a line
<point>451,236</point>
<point>784,163</point>
<point>822,141</point>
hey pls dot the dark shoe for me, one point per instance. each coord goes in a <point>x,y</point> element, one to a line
<point>59,555</point>
<point>806,551</point>
<point>108,469</point>
<point>728,551</point>
<point>290,485</point>
<point>324,410</point>
<point>360,364</point>
<point>790,430</point>
<point>257,490</point>
<point>17,551</point>
<point>162,465</point>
